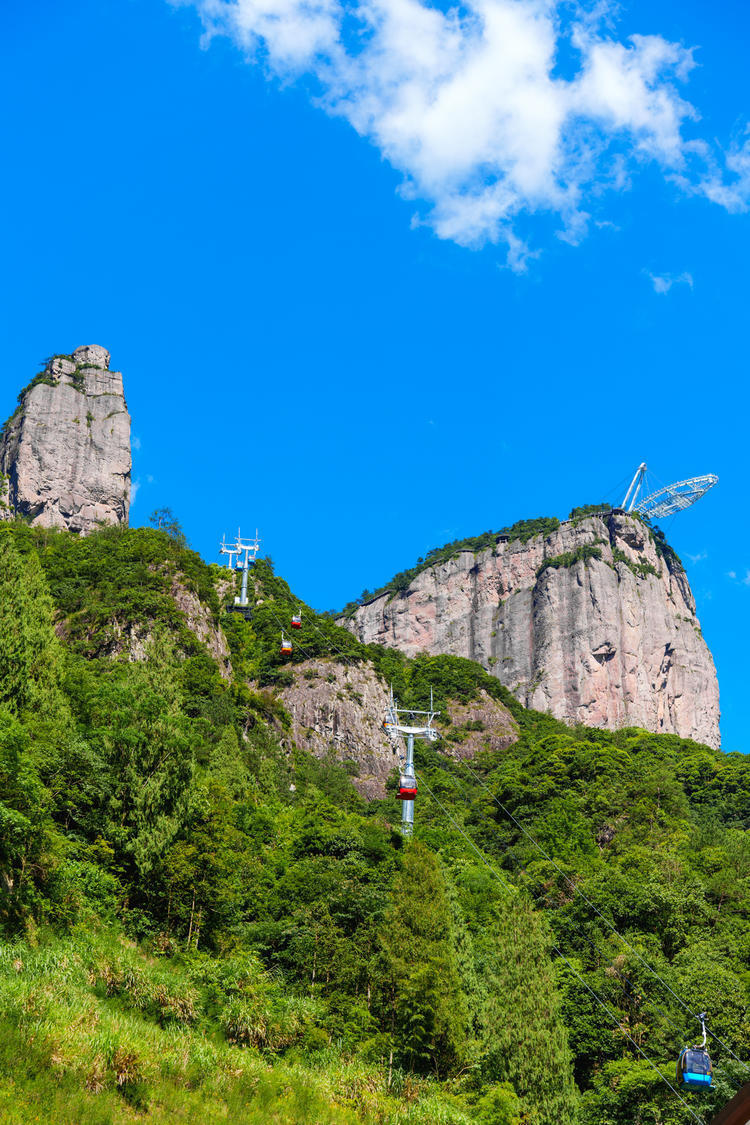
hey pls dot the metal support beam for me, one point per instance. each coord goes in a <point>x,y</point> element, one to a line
<point>407,807</point>
<point>635,487</point>
<point>394,729</point>
<point>246,551</point>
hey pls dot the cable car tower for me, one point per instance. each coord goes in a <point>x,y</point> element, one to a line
<point>246,551</point>
<point>394,727</point>
<point>668,500</point>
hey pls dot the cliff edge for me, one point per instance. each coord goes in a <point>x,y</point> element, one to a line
<point>593,623</point>
<point>65,453</point>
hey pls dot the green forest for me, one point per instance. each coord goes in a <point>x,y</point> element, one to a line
<point>201,923</point>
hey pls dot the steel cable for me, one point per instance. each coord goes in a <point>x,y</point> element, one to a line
<point>556,949</point>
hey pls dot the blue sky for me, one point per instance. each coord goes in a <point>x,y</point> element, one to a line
<point>365,370</point>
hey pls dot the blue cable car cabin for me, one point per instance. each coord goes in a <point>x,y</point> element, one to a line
<point>694,1069</point>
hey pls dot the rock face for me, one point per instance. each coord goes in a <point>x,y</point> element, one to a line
<point>340,709</point>
<point>134,639</point>
<point>199,621</point>
<point>337,708</point>
<point>591,623</point>
<point>65,453</point>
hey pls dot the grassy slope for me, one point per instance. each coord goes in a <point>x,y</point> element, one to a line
<point>95,1030</point>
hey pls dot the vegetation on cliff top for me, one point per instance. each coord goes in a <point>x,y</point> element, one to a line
<point>45,376</point>
<point>200,919</point>
<point>521,531</point>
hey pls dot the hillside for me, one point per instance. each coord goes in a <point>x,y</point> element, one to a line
<point>591,620</point>
<point>205,918</point>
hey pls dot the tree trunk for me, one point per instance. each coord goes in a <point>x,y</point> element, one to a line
<point>190,928</point>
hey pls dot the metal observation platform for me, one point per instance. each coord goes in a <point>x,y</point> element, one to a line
<point>669,499</point>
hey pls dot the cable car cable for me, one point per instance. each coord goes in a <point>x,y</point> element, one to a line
<point>638,992</point>
<point>576,889</point>
<point>309,655</point>
<point>615,1021</point>
<point>570,883</point>
<point>510,890</point>
<point>567,879</point>
<point>329,642</point>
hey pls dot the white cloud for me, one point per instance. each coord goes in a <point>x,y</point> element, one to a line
<point>735,578</point>
<point>700,557</point>
<point>136,443</point>
<point>468,105</point>
<point>728,186</point>
<point>134,487</point>
<point>663,282</point>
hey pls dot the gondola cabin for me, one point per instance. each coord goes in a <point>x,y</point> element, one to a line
<point>286,646</point>
<point>297,621</point>
<point>407,787</point>
<point>694,1069</point>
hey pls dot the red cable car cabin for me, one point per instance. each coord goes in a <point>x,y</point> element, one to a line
<point>407,788</point>
<point>297,621</point>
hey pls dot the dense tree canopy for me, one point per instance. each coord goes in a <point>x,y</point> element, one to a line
<point>565,905</point>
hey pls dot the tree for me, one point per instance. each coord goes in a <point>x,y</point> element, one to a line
<point>164,519</point>
<point>134,721</point>
<point>205,871</point>
<point>23,822</point>
<point>499,1106</point>
<point>524,1040</point>
<point>30,653</point>
<point>420,997</point>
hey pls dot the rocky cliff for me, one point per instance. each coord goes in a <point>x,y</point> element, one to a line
<point>338,710</point>
<point>594,623</point>
<point>65,454</point>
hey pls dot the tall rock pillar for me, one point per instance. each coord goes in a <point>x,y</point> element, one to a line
<point>65,454</point>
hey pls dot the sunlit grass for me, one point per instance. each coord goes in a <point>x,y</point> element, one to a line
<point>95,1032</point>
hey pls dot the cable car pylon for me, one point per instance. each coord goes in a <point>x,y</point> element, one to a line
<point>246,551</point>
<point>394,727</point>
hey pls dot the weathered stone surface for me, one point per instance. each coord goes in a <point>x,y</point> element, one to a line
<point>201,624</point>
<point>339,709</point>
<point>91,355</point>
<point>607,642</point>
<point>134,639</point>
<point>65,453</point>
<point>481,724</point>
